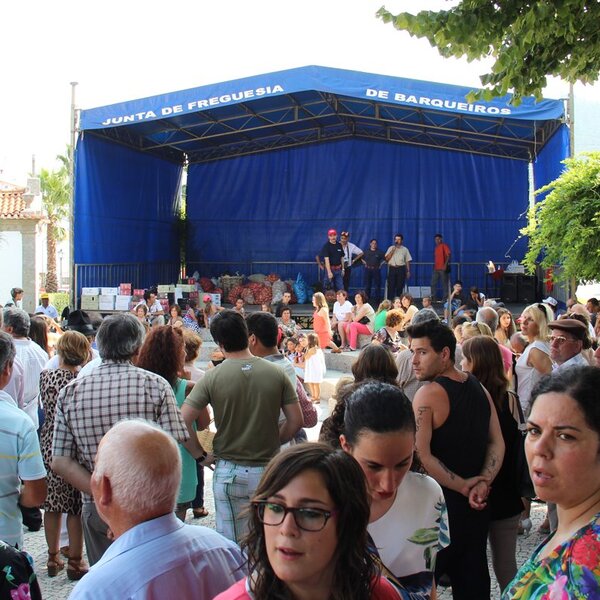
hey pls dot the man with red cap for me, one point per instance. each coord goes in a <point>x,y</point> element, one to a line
<point>333,257</point>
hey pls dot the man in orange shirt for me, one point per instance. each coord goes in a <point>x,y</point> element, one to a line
<point>441,262</point>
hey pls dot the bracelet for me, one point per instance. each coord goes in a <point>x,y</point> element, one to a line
<point>202,457</point>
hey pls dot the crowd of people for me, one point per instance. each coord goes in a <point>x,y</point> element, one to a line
<point>419,466</point>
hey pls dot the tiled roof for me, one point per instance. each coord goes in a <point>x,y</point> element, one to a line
<point>12,205</point>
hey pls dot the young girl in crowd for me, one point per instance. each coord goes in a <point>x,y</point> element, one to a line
<point>209,310</point>
<point>314,367</point>
<point>298,361</point>
<point>506,327</point>
<point>290,348</point>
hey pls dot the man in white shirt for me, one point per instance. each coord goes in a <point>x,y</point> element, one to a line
<point>352,254</point>
<point>398,259</point>
<point>568,339</point>
<point>46,308</point>
<point>31,357</point>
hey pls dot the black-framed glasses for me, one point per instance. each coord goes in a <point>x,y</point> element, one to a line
<point>307,519</point>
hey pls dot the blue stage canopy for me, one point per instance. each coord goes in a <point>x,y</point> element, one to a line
<point>276,159</point>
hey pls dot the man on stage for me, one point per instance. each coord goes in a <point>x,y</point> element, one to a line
<point>441,260</point>
<point>398,258</point>
<point>333,257</point>
<point>352,254</point>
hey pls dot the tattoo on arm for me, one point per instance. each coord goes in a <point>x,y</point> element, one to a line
<point>447,470</point>
<point>421,414</point>
<point>491,464</point>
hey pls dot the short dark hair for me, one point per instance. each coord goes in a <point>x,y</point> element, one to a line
<point>18,290</point>
<point>264,326</point>
<point>228,328</point>
<point>440,336</point>
<point>580,383</point>
<point>399,235</point>
<point>363,296</point>
<point>148,293</point>
<point>438,235</point>
<point>594,301</point>
<point>458,281</point>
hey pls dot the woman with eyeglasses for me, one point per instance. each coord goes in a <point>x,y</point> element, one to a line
<point>308,531</point>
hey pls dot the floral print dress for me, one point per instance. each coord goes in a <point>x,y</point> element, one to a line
<point>570,572</point>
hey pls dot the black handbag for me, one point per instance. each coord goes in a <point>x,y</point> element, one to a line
<point>364,321</point>
<point>522,476</point>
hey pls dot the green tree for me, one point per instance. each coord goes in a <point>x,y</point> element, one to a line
<point>529,40</point>
<point>564,227</point>
<point>55,201</point>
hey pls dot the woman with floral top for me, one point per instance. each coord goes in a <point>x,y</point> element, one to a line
<point>563,453</point>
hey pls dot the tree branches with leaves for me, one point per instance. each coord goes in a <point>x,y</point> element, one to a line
<point>564,228</point>
<point>528,40</point>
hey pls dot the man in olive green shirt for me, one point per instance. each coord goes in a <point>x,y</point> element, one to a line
<point>246,394</point>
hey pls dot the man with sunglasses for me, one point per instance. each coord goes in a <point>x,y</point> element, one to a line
<point>568,340</point>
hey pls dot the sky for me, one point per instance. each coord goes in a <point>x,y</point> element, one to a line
<point>126,49</point>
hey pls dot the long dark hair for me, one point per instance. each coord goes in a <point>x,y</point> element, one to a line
<point>38,333</point>
<point>487,367</point>
<point>375,361</point>
<point>355,570</point>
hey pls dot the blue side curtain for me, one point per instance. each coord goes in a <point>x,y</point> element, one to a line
<point>278,206</point>
<point>125,205</point>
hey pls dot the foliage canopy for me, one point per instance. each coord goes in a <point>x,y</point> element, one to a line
<point>529,40</point>
<point>564,227</point>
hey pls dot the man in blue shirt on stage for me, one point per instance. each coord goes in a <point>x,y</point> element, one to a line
<point>135,485</point>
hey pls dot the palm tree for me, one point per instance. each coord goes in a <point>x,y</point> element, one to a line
<point>55,200</point>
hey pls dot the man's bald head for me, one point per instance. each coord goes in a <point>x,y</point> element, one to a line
<point>143,465</point>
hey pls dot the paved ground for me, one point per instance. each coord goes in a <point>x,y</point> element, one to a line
<point>58,588</point>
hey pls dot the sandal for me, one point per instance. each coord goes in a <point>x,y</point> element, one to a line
<point>55,565</point>
<point>76,568</point>
<point>200,513</point>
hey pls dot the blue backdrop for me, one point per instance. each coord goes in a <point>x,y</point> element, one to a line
<point>279,206</point>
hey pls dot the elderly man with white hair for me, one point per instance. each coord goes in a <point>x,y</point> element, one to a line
<point>135,485</point>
